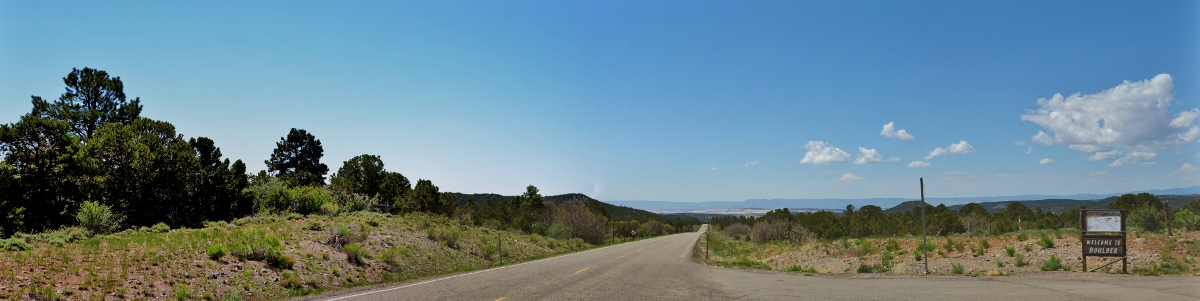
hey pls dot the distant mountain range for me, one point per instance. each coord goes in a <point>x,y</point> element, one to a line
<point>839,204</point>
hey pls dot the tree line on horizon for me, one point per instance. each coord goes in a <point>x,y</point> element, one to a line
<point>90,159</point>
<point>1145,212</point>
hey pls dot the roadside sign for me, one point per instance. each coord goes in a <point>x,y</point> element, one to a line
<point>1107,246</point>
<point>1103,236</point>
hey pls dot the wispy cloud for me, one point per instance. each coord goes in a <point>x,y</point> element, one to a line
<point>960,148</point>
<point>1046,161</point>
<point>917,164</point>
<point>1185,172</point>
<point>1101,156</point>
<point>820,152</point>
<point>848,177</point>
<point>1099,173</point>
<point>870,155</point>
<point>1136,158</point>
<point>890,131</point>
<point>753,163</point>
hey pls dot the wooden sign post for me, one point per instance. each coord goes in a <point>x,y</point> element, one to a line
<point>1103,235</point>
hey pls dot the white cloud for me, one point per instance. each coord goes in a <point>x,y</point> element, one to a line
<point>1135,158</point>
<point>848,177</point>
<point>889,130</point>
<point>1099,173</point>
<point>1185,119</point>
<point>1101,156</point>
<point>916,164</point>
<point>1185,171</point>
<point>714,168</point>
<point>1132,115</point>
<point>1030,151</point>
<point>935,153</point>
<point>1190,135</point>
<point>748,164</point>
<point>1020,143</point>
<point>1043,138</point>
<point>820,152</point>
<point>870,155</point>
<point>1046,161</point>
<point>960,148</point>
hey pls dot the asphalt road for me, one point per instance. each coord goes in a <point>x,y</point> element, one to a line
<point>659,269</point>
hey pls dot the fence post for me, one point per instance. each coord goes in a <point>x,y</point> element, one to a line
<point>1167,215</point>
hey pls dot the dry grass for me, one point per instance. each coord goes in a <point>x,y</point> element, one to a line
<point>179,264</point>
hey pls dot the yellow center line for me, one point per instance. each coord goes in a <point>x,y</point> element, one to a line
<point>501,298</point>
<point>581,271</point>
<point>622,256</point>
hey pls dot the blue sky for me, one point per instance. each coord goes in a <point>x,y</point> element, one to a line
<point>658,100</point>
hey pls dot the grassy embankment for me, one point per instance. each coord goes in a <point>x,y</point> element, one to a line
<point>259,258</point>
<point>1025,252</point>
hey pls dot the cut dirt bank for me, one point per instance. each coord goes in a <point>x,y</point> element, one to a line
<point>1149,254</point>
<point>184,264</point>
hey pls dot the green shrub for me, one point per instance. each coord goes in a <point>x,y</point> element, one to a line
<point>559,230</point>
<point>1022,237</point>
<point>1028,248</point>
<point>355,253</point>
<point>215,252</point>
<point>1019,261</point>
<point>308,199</point>
<point>956,269</point>
<point>314,226</point>
<point>182,292</point>
<point>353,202</point>
<point>983,242</point>
<point>290,280</point>
<point>97,218</point>
<point>917,255</point>
<point>865,268</point>
<point>329,209</point>
<point>1147,219</point>
<point>394,256</point>
<point>1046,242</point>
<point>160,228</point>
<point>446,237</point>
<point>14,244</point>
<point>892,245</point>
<point>277,259</point>
<point>746,263</point>
<point>999,264</point>
<point>1053,264</point>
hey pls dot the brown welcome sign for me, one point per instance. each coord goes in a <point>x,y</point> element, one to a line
<point>1103,235</point>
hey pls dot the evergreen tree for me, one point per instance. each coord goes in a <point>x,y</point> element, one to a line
<point>297,159</point>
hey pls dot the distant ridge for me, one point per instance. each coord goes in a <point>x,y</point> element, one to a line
<point>840,204</point>
<point>615,212</point>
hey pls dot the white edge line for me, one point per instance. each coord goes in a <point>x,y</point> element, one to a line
<point>456,276</point>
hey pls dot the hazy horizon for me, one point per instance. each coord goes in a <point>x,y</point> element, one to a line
<point>670,101</point>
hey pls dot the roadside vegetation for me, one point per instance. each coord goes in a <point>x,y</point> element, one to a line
<point>97,200</point>
<point>969,241</point>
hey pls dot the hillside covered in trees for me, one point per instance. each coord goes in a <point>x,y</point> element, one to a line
<point>1146,212</point>
<point>90,159</point>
